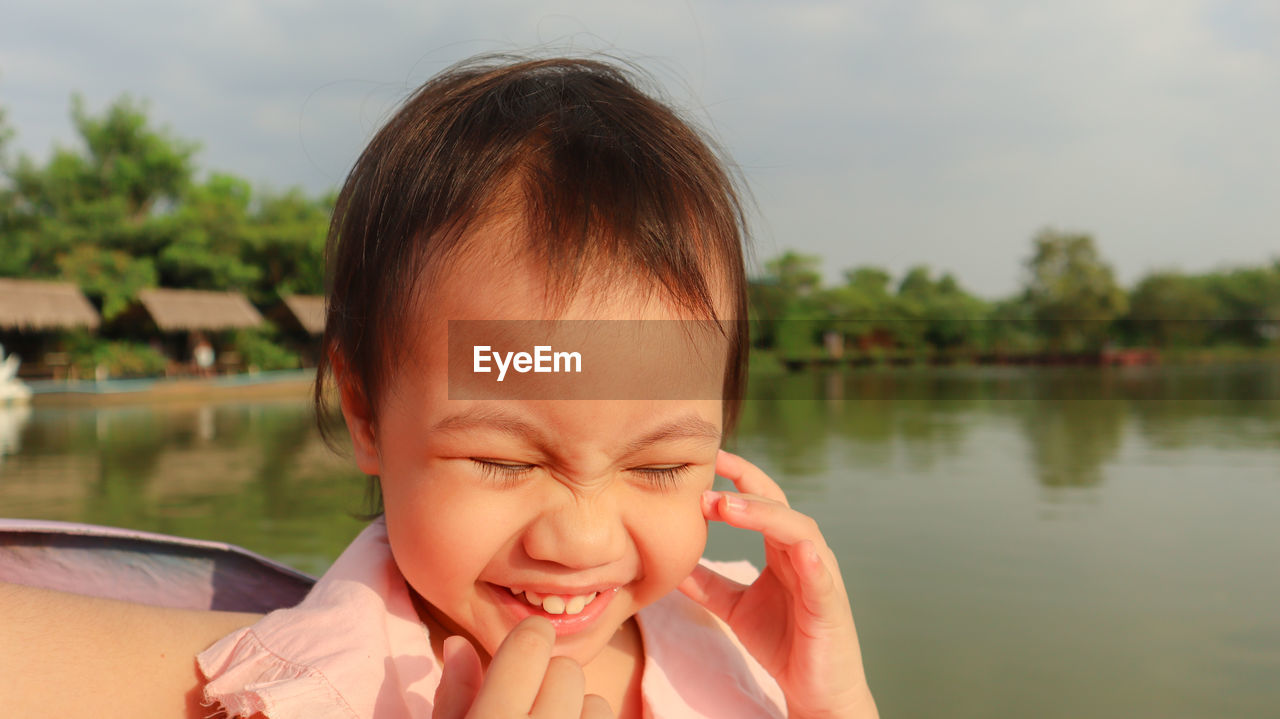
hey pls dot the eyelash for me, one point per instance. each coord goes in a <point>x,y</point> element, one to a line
<point>507,475</point>
<point>664,477</point>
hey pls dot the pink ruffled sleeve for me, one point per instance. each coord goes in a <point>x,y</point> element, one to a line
<point>247,679</point>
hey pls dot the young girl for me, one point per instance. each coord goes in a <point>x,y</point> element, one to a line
<point>536,555</point>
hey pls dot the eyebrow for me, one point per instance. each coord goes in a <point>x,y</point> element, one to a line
<point>490,418</point>
<point>688,426</point>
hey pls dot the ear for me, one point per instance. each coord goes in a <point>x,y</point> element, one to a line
<point>358,415</point>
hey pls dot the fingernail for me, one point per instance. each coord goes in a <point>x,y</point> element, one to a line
<point>450,649</point>
<point>734,502</point>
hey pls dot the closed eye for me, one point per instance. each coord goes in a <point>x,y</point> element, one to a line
<point>505,473</point>
<point>663,476</point>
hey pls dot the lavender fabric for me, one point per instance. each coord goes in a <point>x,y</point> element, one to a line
<point>155,569</point>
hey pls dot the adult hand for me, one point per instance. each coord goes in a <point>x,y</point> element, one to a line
<point>795,618</point>
<point>523,680</point>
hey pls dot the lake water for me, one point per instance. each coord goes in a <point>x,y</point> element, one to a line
<point>1017,543</point>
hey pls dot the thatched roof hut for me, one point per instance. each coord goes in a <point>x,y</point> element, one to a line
<point>198,310</point>
<point>307,311</point>
<point>34,306</point>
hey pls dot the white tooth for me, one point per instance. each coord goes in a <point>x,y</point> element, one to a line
<point>590,598</point>
<point>553,605</point>
<point>575,604</point>
<point>514,591</point>
<point>532,597</point>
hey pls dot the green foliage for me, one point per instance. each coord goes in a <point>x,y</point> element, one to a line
<point>924,313</point>
<point>1250,300</point>
<point>260,352</point>
<point>112,275</point>
<point>795,274</point>
<point>938,313</point>
<point>118,358</point>
<point>862,305</point>
<point>91,215</point>
<point>14,255</point>
<point>208,237</point>
<point>781,298</point>
<point>286,243</point>
<point>1072,292</point>
<point>128,159</point>
<point>1011,327</point>
<point>1170,309</point>
<point>123,211</point>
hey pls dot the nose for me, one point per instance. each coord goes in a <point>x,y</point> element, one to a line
<point>578,532</point>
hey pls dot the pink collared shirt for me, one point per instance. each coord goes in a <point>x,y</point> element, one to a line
<point>355,649</point>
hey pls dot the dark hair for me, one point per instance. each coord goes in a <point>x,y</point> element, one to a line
<point>605,176</point>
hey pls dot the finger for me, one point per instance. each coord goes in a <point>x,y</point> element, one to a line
<point>459,681</point>
<point>748,478</point>
<point>778,559</point>
<point>561,692</point>
<point>712,504</point>
<point>717,593</point>
<point>517,669</point>
<point>820,594</point>
<point>595,707</point>
<point>778,523</point>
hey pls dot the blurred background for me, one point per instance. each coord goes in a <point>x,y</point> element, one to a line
<point>1016,302</point>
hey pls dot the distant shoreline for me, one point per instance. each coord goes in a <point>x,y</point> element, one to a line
<point>297,384</point>
<point>769,361</point>
<point>286,384</point>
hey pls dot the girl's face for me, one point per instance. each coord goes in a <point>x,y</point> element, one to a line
<point>583,511</point>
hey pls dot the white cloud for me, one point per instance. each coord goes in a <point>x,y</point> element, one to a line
<point>879,131</point>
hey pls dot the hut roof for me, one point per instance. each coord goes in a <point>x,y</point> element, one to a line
<point>37,305</point>
<point>181,310</point>
<point>308,310</point>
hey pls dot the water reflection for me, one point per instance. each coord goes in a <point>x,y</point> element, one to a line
<point>253,474</point>
<point>143,465</point>
<point>12,420</point>
<point>1072,440</point>
<point>1071,423</point>
<point>1007,536</point>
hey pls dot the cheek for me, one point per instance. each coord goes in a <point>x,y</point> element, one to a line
<point>441,552</point>
<point>671,534</point>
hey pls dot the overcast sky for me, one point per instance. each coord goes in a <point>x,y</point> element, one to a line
<point>890,133</point>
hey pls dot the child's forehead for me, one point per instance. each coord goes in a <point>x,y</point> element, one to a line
<point>496,273</point>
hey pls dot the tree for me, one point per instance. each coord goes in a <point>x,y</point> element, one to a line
<point>130,160</point>
<point>1250,300</point>
<point>796,274</point>
<point>286,241</point>
<point>97,215</point>
<point>1072,292</point>
<point>783,301</point>
<point>122,211</point>
<point>13,255</point>
<point>208,235</point>
<point>938,312</point>
<point>1170,308</point>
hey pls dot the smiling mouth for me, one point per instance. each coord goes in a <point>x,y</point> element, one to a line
<point>568,613</point>
<point>555,603</point>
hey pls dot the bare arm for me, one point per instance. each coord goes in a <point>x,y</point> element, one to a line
<point>67,655</point>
